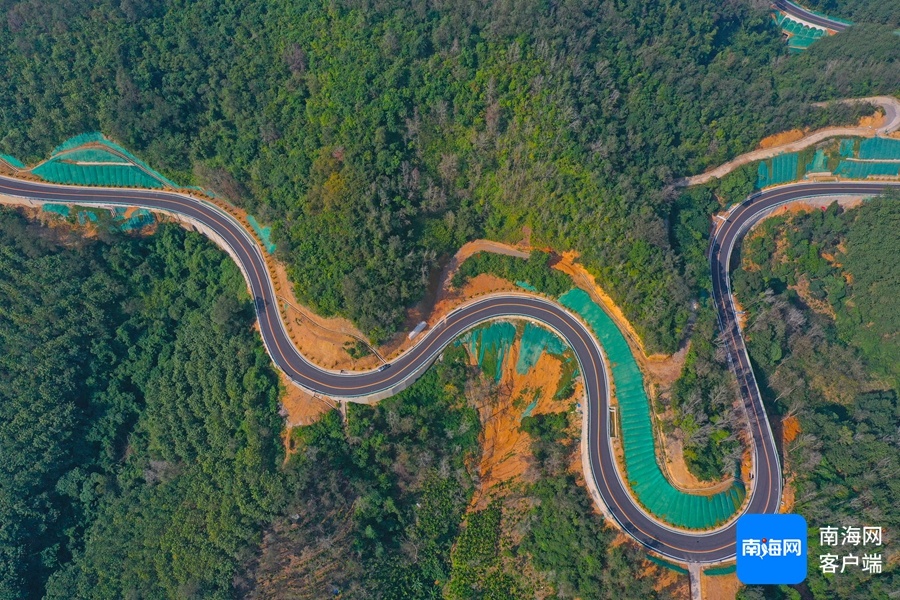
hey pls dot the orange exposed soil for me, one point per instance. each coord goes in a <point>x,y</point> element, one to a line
<point>785,137</point>
<point>665,580</point>
<point>300,407</point>
<point>741,313</point>
<point>874,121</point>
<point>790,429</point>
<point>321,340</point>
<point>720,587</point>
<point>820,306</point>
<point>505,448</point>
<point>746,465</point>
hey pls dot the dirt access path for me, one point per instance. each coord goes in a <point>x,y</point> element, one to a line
<point>887,124</point>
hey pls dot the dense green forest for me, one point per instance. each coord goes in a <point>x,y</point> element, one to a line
<point>139,417</point>
<point>378,136</point>
<point>862,11</point>
<point>821,290</point>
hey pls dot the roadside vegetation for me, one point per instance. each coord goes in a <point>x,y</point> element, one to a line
<point>535,271</point>
<point>821,290</point>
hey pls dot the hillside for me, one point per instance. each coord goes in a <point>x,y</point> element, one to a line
<point>821,289</point>
<point>378,137</point>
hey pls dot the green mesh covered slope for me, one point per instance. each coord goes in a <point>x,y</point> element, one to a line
<point>800,36</point>
<point>489,345</point>
<point>780,169</point>
<point>862,170</point>
<point>819,163</point>
<point>879,148</point>
<point>264,233</point>
<point>643,474</point>
<point>535,341</point>
<point>12,161</point>
<point>91,159</point>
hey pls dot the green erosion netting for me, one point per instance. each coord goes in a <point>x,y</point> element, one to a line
<point>59,209</point>
<point>93,155</point>
<point>78,140</point>
<point>57,171</point>
<point>726,570</point>
<point>877,157</point>
<point>106,165</point>
<point>862,170</point>
<point>13,161</point>
<point>819,163</point>
<point>86,215</point>
<point>533,405</point>
<point>644,477</point>
<point>800,36</point>
<point>265,233</point>
<point>779,169</point>
<point>846,148</point>
<point>526,286</point>
<point>667,564</point>
<point>139,218</point>
<point>535,341</point>
<point>879,148</point>
<point>489,345</point>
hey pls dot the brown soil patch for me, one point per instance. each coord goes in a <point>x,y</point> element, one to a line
<point>790,427</point>
<point>741,313</point>
<point>785,137</point>
<point>788,495</point>
<point>321,340</point>
<point>299,407</point>
<point>793,208</point>
<point>505,448</point>
<point>720,587</point>
<point>820,306</point>
<point>874,121</point>
<point>665,581</point>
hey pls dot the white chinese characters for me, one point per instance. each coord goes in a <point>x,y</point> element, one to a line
<point>769,547</point>
<point>850,536</point>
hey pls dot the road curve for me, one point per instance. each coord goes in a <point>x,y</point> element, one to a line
<point>702,547</point>
<point>810,17</point>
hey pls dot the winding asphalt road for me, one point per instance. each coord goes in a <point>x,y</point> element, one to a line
<point>810,17</point>
<point>681,545</point>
